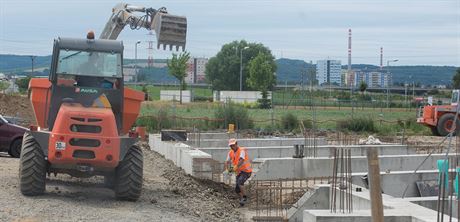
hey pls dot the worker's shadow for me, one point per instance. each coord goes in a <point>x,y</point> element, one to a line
<point>87,192</point>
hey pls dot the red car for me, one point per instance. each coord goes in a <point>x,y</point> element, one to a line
<point>11,137</point>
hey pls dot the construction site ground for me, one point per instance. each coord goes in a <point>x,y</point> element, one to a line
<point>168,195</point>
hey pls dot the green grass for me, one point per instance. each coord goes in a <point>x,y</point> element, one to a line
<point>386,120</point>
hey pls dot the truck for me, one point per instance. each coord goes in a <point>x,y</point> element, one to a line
<point>440,118</point>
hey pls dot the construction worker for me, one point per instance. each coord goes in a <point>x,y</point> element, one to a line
<point>238,162</point>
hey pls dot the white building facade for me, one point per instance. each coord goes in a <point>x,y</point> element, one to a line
<point>329,71</point>
<point>196,70</point>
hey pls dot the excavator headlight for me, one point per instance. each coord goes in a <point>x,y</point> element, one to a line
<point>90,35</point>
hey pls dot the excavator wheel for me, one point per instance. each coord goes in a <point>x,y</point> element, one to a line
<point>32,167</point>
<point>128,175</point>
<point>445,124</point>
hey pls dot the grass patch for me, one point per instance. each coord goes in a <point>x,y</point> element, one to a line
<point>357,125</point>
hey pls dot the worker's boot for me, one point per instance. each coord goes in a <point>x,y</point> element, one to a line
<point>243,200</point>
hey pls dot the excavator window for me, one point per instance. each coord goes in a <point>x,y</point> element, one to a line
<point>85,63</point>
<point>88,69</point>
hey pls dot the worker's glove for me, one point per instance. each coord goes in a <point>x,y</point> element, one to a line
<point>230,169</point>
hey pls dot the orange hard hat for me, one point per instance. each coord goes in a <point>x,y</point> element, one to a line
<point>231,141</point>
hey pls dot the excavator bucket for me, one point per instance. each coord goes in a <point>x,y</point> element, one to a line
<point>170,30</point>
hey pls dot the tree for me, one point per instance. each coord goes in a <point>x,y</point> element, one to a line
<point>4,85</point>
<point>261,77</point>
<point>23,83</point>
<point>177,67</point>
<point>456,79</point>
<point>362,87</point>
<point>223,70</point>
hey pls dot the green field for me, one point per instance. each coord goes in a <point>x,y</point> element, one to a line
<point>385,120</point>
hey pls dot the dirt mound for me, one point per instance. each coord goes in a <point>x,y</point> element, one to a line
<point>17,106</point>
<point>208,200</point>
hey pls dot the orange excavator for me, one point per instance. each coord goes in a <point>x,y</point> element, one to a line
<point>84,113</point>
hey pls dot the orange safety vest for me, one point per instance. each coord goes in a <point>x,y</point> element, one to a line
<point>235,158</point>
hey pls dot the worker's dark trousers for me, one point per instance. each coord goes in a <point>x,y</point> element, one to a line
<point>240,180</point>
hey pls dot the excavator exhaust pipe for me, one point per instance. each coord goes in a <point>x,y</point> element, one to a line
<point>171,30</point>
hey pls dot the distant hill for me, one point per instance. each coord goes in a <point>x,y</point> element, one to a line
<point>288,70</point>
<point>18,63</point>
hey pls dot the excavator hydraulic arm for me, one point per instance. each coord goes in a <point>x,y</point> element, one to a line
<point>170,30</point>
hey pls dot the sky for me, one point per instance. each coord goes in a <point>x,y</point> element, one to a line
<point>416,32</point>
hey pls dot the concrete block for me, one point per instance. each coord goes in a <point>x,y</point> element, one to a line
<point>239,96</point>
<point>194,162</point>
<point>169,95</point>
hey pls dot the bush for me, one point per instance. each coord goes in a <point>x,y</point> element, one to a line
<point>289,122</point>
<point>357,125</point>
<point>264,103</point>
<point>202,98</point>
<point>23,84</point>
<point>250,105</point>
<point>158,121</point>
<point>232,113</point>
<point>4,85</point>
<point>308,124</point>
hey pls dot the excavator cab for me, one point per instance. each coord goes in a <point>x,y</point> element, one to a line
<point>87,72</point>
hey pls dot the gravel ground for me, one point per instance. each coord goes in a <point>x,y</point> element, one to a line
<point>168,195</point>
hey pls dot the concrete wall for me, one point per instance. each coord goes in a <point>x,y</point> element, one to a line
<point>395,209</point>
<point>394,183</point>
<point>432,203</point>
<point>291,168</point>
<point>168,95</point>
<point>239,96</point>
<point>258,142</point>
<point>396,170</point>
<point>220,153</point>
<point>208,136</point>
<point>192,161</point>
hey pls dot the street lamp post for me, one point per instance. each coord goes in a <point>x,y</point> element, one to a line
<point>135,60</point>
<point>241,67</point>
<point>388,80</point>
<point>33,60</point>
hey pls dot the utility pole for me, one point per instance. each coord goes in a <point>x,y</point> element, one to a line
<point>241,67</point>
<point>388,81</point>
<point>135,61</point>
<point>33,60</point>
<point>405,94</point>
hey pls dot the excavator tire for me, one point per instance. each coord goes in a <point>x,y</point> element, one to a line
<point>128,175</point>
<point>445,124</point>
<point>32,167</point>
